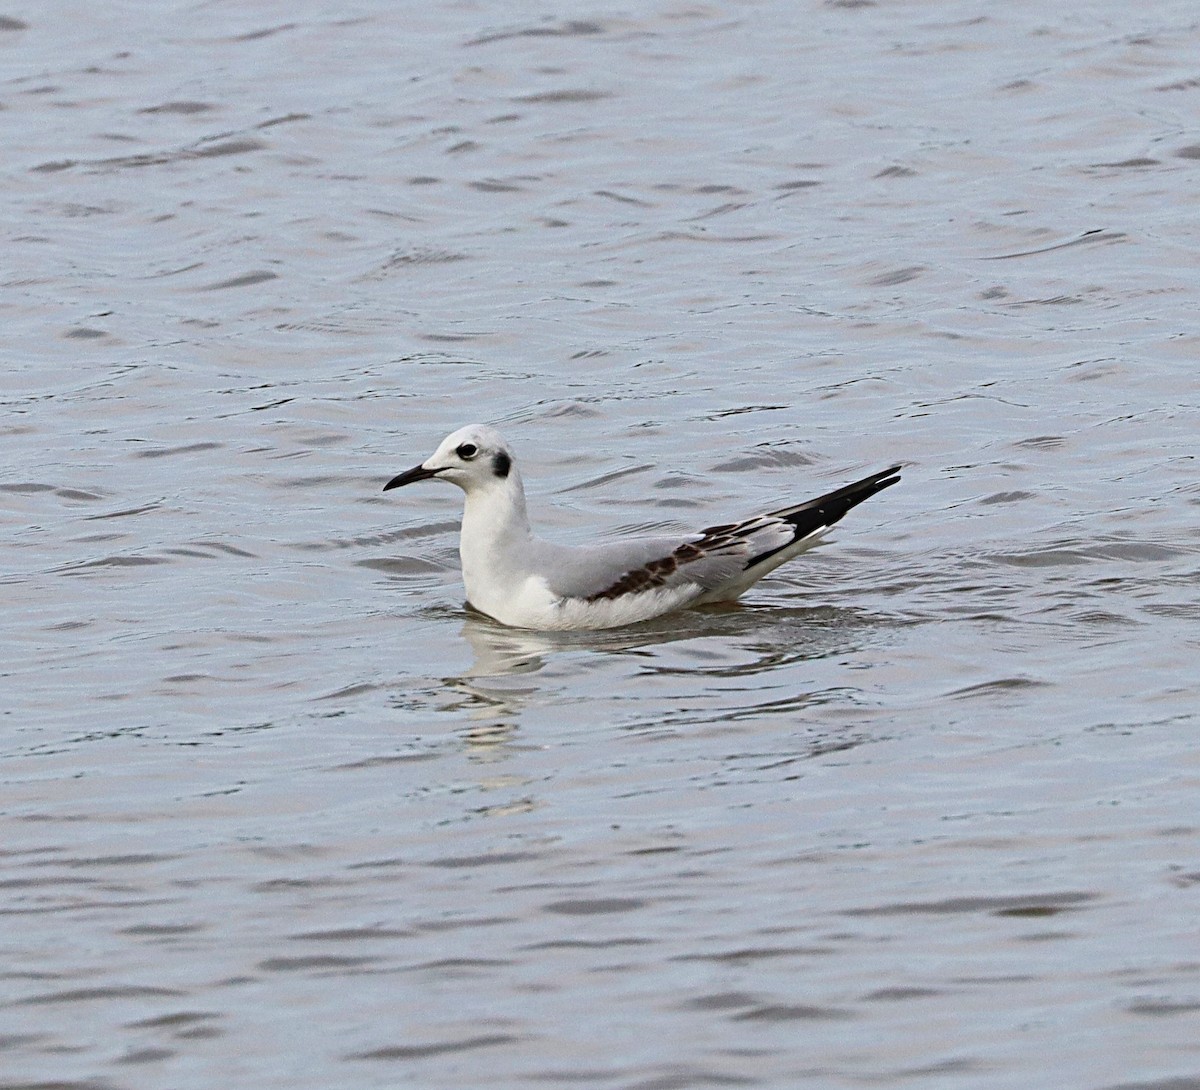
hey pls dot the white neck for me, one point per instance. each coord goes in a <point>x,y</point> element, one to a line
<point>495,537</point>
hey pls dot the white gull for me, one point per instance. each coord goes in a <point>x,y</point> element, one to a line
<point>520,580</point>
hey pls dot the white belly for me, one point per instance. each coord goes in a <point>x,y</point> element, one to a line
<point>531,604</point>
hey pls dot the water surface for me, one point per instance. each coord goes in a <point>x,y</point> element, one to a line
<point>277,811</point>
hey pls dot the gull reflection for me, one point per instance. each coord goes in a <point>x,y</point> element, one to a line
<point>731,659</point>
<point>491,688</point>
<point>501,651</point>
<point>765,637</point>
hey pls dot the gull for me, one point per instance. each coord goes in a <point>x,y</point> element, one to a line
<point>520,580</point>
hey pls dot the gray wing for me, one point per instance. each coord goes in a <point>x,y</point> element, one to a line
<point>707,560</point>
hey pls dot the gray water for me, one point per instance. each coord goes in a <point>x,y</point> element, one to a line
<point>277,812</point>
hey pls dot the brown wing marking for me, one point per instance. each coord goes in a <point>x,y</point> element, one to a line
<point>652,575</point>
<point>800,521</point>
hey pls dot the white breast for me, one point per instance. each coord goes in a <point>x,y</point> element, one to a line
<point>533,605</point>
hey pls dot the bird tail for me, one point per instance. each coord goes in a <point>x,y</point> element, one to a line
<point>816,516</point>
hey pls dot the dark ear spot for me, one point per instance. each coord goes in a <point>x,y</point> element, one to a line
<point>501,464</point>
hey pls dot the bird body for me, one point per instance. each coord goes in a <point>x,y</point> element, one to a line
<point>521,580</point>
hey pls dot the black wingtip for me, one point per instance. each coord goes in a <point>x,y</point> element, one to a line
<point>836,503</point>
<point>808,518</point>
<point>889,477</point>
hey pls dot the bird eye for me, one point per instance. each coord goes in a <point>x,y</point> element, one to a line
<point>467,451</point>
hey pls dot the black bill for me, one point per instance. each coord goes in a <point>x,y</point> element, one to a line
<point>417,473</point>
